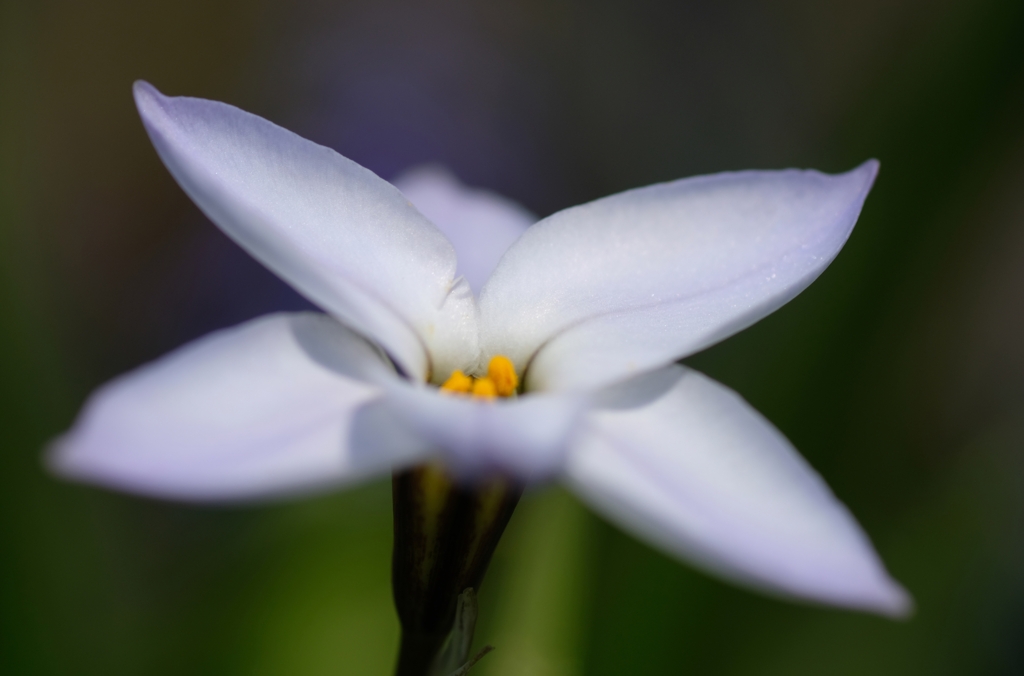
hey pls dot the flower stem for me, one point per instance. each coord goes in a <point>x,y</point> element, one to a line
<point>445,534</point>
<point>416,654</point>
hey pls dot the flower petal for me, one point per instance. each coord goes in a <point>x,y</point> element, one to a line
<point>525,437</point>
<point>699,473</point>
<point>339,234</point>
<point>481,225</point>
<point>633,281</point>
<point>265,408</point>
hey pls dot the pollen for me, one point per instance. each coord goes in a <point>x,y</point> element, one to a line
<point>501,381</point>
<point>484,388</point>
<point>503,374</point>
<point>458,382</point>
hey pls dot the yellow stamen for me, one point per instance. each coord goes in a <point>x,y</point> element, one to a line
<point>501,381</point>
<point>503,374</point>
<point>484,388</point>
<point>458,382</point>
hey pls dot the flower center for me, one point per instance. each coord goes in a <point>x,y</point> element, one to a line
<point>501,381</point>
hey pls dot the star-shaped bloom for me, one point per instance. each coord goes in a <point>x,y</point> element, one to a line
<point>579,318</point>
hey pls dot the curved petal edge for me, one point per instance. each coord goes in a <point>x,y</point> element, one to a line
<point>700,474</point>
<point>260,410</point>
<point>631,282</point>
<point>348,240</point>
<point>526,438</point>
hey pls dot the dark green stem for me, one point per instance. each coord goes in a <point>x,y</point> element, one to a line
<point>417,652</point>
<point>445,534</point>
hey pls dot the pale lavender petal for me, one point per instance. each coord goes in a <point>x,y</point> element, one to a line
<point>480,224</point>
<point>637,280</point>
<point>687,465</point>
<point>342,236</point>
<point>525,437</point>
<point>269,407</point>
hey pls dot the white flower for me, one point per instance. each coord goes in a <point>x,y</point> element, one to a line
<point>592,305</point>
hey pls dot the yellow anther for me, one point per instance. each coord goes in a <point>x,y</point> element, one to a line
<point>484,388</point>
<point>503,374</point>
<point>500,381</point>
<point>458,382</point>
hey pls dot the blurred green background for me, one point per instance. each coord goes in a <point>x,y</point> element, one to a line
<point>899,374</point>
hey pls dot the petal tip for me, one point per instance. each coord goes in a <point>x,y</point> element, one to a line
<point>60,460</point>
<point>880,594</point>
<point>151,105</point>
<point>54,458</point>
<point>867,172</point>
<point>895,602</point>
<point>144,93</point>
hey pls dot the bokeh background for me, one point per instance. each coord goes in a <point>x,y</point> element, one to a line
<point>899,374</point>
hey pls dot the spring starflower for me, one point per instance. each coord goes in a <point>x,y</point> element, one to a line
<point>459,334</point>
